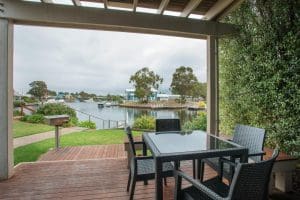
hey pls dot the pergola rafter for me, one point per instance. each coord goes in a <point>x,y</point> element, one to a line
<point>47,1</point>
<point>76,2</point>
<point>190,7</point>
<point>163,5</point>
<point>135,3</point>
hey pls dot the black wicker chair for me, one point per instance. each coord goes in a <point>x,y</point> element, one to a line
<point>142,167</point>
<point>247,136</point>
<point>163,125</point>
<point>250,182</point>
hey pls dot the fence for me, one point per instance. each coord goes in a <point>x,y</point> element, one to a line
<point>102,123</point>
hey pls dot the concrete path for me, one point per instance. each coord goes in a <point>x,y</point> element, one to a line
<point>21,141</point>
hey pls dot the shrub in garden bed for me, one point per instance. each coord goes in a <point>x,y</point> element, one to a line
<point>87,124</point>
<point>59,109</point>
<point>35,118</point>
<point>198,123</point>
<point>145,122</point>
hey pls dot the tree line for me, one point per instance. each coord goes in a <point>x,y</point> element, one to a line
<point>39,90</point>
<point>184,83</point>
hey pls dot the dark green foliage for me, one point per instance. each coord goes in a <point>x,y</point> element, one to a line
<point>184,83</point>
<point>143,80</point>
<point>18,104</point>
<point>260,71</point>
<point>51,93</point>
<point>29,100</point>
<point>198,123</point>
<point>145,122</point>
<point>87,124</point>
<point>59,109</point>
<point>38,89</point>
<point>17,113</point>
<point>35,118</point>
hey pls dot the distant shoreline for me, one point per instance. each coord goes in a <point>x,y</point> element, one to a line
<point>161,105</point>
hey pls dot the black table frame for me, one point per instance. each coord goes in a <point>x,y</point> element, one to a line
<point>159,158</point>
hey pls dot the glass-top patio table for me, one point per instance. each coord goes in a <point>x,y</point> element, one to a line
<point>177,146</point>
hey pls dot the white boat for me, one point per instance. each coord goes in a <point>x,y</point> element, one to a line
<point>107,104</point>
<point>91,100</point>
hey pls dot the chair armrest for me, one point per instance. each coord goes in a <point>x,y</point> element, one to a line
<point>139,142</point>
<point>199,186</point>
<point>261,153</point>
<point>143,157</point>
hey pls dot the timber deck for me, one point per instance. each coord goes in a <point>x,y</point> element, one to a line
<point>82,173</point>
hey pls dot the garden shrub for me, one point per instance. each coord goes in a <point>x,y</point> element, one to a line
<point>35,118</point>
<point>87,124</point>
<point>260,73</point>
<point>17,113</point>
<point>18,104</point>
<point>202,104</point>
<point>59,109</point>
<point>198,123</point>
<point>145,122</point>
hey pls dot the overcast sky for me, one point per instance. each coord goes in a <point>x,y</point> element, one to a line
<point>101,62</point>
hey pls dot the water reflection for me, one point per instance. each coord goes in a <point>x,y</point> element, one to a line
<point>116,113</point>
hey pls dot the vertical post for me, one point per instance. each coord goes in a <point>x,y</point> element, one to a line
<point>212,86</point>
<point>6,99</point>
<point>57,137</point>
<point>108,124</point>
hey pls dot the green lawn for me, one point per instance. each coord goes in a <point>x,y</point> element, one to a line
<point>21,129</point>
<point>32,152</point>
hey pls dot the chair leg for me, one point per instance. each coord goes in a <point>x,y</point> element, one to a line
<point>165,181</point>
<point>145,182</point>
<point>129,179</point>
<point>132,187</point>
<point>194,169</point>
<point>201,173</point>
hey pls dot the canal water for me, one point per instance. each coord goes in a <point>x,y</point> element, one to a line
<point>113,116</point>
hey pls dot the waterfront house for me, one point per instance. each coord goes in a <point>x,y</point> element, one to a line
<point>130,95</point>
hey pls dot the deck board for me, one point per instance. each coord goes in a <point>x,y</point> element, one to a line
<point>85,152</point>
<point>78,179</point>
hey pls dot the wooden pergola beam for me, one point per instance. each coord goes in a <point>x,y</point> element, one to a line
<point>190,7</point>
<point>105,4</point>
<point>47,1</point>
<point>76,2</point>
<point>93,18</point>
<point>163,5</point>
<point>135,3</point>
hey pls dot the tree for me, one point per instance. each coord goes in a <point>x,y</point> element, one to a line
<point>38,89</point>
<point>259,72</point>
<point>143,80</point>
<point>199,90</point>
<point>184,82</point>
<point>51,93</point>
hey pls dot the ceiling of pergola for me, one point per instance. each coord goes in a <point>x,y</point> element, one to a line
<point>198,9</point>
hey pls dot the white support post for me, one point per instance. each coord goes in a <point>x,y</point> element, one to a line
<point>6,99</point>
<point>212,86</point>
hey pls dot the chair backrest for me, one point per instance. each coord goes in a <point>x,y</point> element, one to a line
<point>251,137</point>
<point>167,125</point>
<point>251,180</point>
<point>130,140</point>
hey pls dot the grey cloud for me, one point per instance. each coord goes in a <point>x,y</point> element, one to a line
<point>98,61</point>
